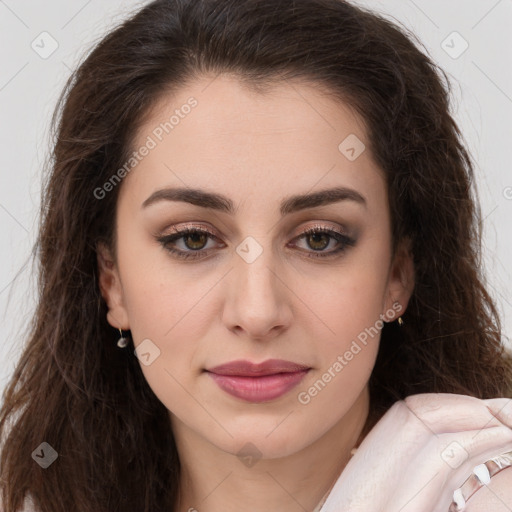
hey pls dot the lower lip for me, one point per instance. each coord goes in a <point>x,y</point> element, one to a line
<point>258,389</point>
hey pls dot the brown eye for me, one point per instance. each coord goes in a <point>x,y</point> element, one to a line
<point>318,239</point>
<point>194,241</point>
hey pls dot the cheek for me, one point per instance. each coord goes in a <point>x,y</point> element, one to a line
<point>348,323</point>
<point>349,298</point>
<point>170,308</point>
<point>168,311</point>
<point>159,298</point>
<point>348,335</point>
<point>352,319</point>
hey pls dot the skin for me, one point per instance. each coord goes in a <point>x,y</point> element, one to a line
<point>284,304</point>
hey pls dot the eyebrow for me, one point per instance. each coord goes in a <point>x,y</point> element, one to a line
<point>222,203</point>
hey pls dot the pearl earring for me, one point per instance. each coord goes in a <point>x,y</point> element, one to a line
<point>122,341</point>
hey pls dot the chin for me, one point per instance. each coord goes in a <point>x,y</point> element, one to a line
<point>265,439</point>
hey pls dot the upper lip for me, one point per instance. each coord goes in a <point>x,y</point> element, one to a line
<point>268,367</point>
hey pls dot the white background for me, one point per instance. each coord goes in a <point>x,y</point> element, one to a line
<point>29,87</point>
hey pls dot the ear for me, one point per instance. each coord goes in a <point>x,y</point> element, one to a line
<point>401,279</point>
<point>111,289</point>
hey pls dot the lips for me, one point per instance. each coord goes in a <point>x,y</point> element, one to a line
<point>258,382</point>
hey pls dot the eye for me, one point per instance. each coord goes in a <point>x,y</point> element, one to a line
<point>194,241</point>
<point>318,238</point>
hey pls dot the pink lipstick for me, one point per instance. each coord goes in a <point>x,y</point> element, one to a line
<point>258,382</point>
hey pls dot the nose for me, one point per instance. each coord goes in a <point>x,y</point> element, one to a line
<point>258,297</point>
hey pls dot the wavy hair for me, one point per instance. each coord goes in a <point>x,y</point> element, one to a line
<point>73,388</point>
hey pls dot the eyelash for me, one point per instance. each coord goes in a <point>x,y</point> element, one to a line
<point>344,240</point>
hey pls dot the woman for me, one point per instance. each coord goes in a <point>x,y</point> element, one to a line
<point>259,283</point>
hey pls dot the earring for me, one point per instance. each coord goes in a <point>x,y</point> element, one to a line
<point>399,319</point>
<point>122,341</point>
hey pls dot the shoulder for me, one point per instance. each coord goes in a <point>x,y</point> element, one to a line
<point>495,496</point>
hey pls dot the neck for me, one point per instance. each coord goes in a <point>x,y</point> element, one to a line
<point>213,480</point>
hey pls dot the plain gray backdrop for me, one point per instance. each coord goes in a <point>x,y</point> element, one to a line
<point>42,41</point>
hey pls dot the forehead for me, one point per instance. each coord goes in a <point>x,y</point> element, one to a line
<point>216,133</point>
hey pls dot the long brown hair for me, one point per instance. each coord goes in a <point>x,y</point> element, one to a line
<point>74,389</point>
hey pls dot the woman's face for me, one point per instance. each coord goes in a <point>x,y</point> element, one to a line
<point>248,284</point>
